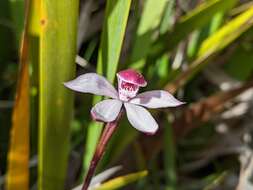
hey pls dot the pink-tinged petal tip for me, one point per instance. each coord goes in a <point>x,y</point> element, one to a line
<point>95,117</point>
<point>151,134</point>
<point>132,76</point>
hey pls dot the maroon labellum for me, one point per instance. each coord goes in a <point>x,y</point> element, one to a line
<point>129,82</point>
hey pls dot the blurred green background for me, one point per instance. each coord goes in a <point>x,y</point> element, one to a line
<point>199,50</point>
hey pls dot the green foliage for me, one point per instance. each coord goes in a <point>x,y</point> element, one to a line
<point>193,20</point>
<point>149,21</point>
<point>57,65</point>
<point>227,33</point>
<point>215,43</point>
<point>169,157</point>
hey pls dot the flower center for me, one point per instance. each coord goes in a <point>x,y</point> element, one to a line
<point>127,90</point>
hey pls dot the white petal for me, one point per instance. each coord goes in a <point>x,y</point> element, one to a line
<point>156,99</point>
<point>140,118</point>
<point>94,84</point>
<point>106,110</point>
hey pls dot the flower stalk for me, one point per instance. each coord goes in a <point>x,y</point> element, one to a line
<point>108,131</point>
<point>110,110</point>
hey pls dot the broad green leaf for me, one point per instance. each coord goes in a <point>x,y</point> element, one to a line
<point>213,45</point>
<point>114,27</point>
<point>57,65</point>
<point>193,20</point>
<point>18,155</point>
<point>150,19</point>
<point>122,181</point>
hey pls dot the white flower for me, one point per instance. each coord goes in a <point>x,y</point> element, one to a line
<point>129,82</point>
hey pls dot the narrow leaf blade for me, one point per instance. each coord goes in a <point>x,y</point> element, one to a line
<point>18,156</point>
<point>150,19</point>
<point>122,181</point>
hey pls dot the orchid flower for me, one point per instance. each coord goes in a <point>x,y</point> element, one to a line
<point>129,82</point>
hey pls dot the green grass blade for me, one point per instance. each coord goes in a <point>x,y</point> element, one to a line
<point>34,31</point>
<point>122,181</point>
<point>167,19</point>
<point>57,65</point>
<point>200,35</point>
<point>193,20</point>
<point>114,27</point>
<point>169,157</point>
<point>216,22</point>
<point>150,19</point>
<point>215,180</point>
